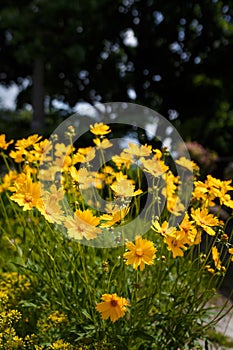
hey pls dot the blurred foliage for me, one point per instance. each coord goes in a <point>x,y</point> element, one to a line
<point>178,62</point>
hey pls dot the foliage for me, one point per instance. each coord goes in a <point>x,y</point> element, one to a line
<point>130,292</point>
<point>179,62</point>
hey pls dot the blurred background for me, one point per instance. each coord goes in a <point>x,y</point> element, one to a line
<point>172,56</point>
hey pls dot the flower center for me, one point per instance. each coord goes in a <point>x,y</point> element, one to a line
<point>27,198</point>
<point>113,302</point>
<point>139,252</point>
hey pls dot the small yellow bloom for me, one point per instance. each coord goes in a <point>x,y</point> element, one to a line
<point>83,225</point>
<point>27,193</point>
<point>113,218</point>
<point>230,250</point>
<point>123,160</point>
<point>187,163</point>
<point>112,307</point>
<point>102,144</point>
<point>140,253</point>
<point>7,180</point>
<point>18,156</point>
<point>174,205</point>
<point>176,243</point>
<point>155,167</point>
<point>216,258</point>
<point>189,230</point>
<point>135,150</point>
<point>100,129</point>
<point>163,229</point>
<point>205,220</point>
<point>29,142</point>
<point>84,157</point>
<point>3,144</point>
<point>51,209</point>
<point>125,188</point>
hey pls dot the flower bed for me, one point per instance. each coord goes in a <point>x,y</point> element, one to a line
<point>74,277</point>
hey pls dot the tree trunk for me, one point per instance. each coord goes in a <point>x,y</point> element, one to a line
<point>38,118</point>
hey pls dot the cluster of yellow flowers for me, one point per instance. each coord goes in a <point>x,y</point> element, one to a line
<point>65,177</point>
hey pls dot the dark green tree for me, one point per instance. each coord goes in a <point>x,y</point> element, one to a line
<point>179,61</point>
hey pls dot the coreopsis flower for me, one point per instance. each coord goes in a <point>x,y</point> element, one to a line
<point>187,163</point>
<point>61,150</point>
<point>84,155</point>
<point>223,196</point>
<point>81,177</point>
<point>230,251</point>
<point>18,156</point>
<point>112,307</point>
<point>42,149</point>
<point>163,229</point>
<point>190,231</point>
<point>27,194</point>
<point>216,258</point>
<point>171,184</point>
<point>205,220</point>
<point>82,225</point>
<point>7,180</point>
<point>114,217</point>
<point>123,160</point>
<point>100,129</point>
<point>176,243</point>
<point>50,207</point>
<point>102,144</point>
<point>3,144</point>
<point>125,188</point>
<point>109,174</point>
<point>140,254</point>
<point>207,190</point>
<point>135,150</point>
<point>29,142</point>
<point>154,166</point>
<point>158,153</point>
<point>174,205</point>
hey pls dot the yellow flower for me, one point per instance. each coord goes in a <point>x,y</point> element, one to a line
<point>84,157</point>
<point>3,144</point>
<point>51,208</point>
<point>112,307</point>
<point>224,197</point>
<point>123,159</point>
<point>158,153</point>
<point>27,193</point>
<point>189,230</point>
<point>25,143</point>
<point>187,163</point>
<point>102,144</point>
<point>205,220</point>
<point>174,205</point>
<point>163,229</point>
<point>216,258</point>
<point>208,189</point>
<point>7,180</point>
<point>140,253</point>
<point>18,156</point>
<point>113,218</point>
<point>83,225</point>
<point>171,184</point>
<point>125,188</point>
<point>134,150</point>
<point>176,243</point>
<point>154,166</point>
<point>100,129</point>
<point>230,250</point>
